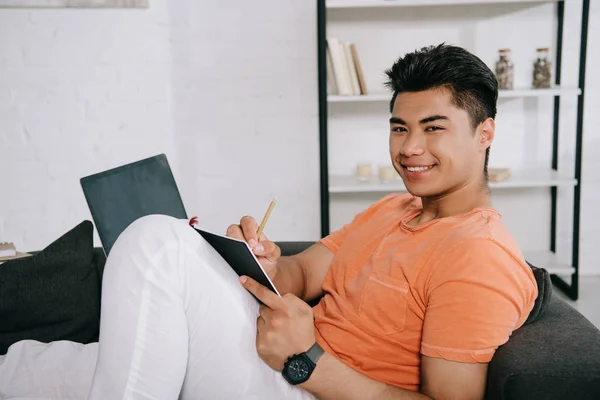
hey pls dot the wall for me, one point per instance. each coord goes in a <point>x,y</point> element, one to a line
<point>229,93</point>
<point>590,222</point>
<point>246,113</point>
<point>228,90</point>
<point>80,91</point>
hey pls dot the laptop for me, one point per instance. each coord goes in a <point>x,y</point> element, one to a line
<point>119,196</point>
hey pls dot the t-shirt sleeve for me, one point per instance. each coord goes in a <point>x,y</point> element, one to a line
<point>334,240</point>
<point>478,294</point>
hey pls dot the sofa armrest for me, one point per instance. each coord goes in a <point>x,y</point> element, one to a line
<point>291,248</point>
<point>556,357</point>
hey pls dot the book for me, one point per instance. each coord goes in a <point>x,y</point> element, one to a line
<point>358,68</point>
<point>351,69</point>
<point>239,256</point>
<point>345,76</point>
<point>15,257</point>
<point>332,86</point>
<point>340,67</point>
<point>7,250</point>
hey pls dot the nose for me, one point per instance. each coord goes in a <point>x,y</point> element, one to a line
<point>414,145</point>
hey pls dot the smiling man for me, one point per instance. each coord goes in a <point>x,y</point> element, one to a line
<point>419,290</point>
<point>414,295</point>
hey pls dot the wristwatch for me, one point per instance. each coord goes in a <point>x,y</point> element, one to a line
<point>299,367</point>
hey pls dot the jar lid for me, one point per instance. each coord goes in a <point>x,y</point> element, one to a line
<point>543,49</point>
<point>504,51</point>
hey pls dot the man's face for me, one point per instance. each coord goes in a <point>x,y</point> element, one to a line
<point>433,145</point>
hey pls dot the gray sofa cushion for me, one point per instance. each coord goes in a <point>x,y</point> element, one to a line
<point>555,358</point>
<point>54,295</point>
<point>544,284</point>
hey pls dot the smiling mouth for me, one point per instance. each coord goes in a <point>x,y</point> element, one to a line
<point>419,169</point>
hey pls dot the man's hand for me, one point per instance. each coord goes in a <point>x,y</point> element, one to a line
<point>285,325</point>
<point>266,252</point>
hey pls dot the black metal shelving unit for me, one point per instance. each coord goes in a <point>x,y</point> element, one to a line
<point>571,289</point>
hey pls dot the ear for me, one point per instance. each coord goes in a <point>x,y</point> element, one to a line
<point>486,133</point>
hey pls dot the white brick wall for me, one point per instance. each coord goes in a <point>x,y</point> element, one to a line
<point>245,112</point>
<point>227,89</point>
<point>82,91</point>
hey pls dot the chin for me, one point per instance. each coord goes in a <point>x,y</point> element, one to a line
<point>422,190</point>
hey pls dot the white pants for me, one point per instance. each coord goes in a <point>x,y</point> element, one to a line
<point>175,323</point>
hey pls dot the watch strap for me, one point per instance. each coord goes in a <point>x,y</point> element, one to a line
<point>315,352</point>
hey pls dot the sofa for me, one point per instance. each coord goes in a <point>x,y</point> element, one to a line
<point>55,295</point>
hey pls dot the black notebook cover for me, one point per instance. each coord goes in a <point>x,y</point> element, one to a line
<point>239,256</point>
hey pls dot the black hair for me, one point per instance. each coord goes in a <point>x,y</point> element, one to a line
<point>471,83</point>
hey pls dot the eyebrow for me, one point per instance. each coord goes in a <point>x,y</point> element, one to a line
<point>396,120</point>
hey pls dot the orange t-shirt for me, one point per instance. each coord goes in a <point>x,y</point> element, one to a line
<point>454,287</point>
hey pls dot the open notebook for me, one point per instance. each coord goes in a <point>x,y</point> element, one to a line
<point>239,256</point>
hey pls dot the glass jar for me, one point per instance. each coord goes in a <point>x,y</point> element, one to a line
<point>363,171</point>
<point>542,73</point>
<point>505,70</point>
<point>387,173</point>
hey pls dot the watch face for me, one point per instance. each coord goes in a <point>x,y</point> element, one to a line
<point>298,370</point>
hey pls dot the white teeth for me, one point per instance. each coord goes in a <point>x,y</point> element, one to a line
<point>419,169</point>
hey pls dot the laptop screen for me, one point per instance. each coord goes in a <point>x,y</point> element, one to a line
<point>119,196</point>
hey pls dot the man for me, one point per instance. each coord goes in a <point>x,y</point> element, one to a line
<point>416,293</point>
<point>420,289</point>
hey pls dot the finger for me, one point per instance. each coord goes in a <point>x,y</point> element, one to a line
<point>235,231</point>
<point>267,249</point>
<point>266,296</point>
<point>249,229</point>
<point>296,302</point>
<point>260,324</point>
<point>262,309</point>
<point>265,312</point>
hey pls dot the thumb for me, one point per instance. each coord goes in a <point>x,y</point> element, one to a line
<point>269,250</point>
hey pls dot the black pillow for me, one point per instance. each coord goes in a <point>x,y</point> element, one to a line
<point>53,295</point>
<point>544,284</point>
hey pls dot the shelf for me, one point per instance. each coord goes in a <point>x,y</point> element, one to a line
<point>529,185</point>
<point>526,178</point>
<point>549,261</point>
<point>338,4</point>
<point>528,92</point>
<point>515,93</point>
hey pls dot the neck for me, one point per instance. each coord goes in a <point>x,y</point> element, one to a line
<point>456,202</point>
